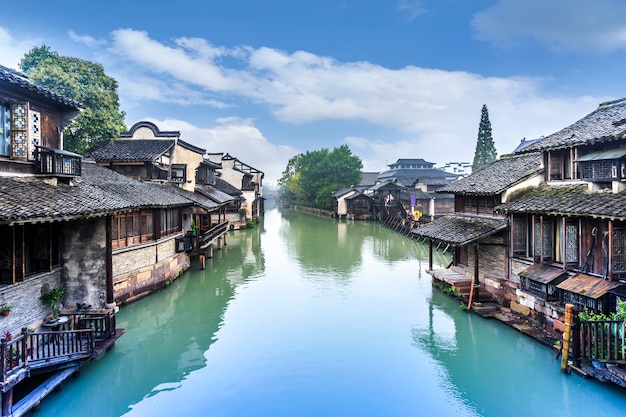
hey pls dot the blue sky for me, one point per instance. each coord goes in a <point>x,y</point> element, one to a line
<point>266,80</point>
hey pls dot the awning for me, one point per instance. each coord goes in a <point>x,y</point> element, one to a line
<point>602,155</point>
<point>461,229</point>
<point>588,286</point>
<point>544,274</point>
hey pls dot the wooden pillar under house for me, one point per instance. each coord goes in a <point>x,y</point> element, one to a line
<point>430,254</point>
<point>476,270</point>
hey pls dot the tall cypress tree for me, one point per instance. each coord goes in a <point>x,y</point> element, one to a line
<point>485,149</point>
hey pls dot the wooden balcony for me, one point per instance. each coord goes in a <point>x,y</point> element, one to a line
<point>83,337</point>
<point>58,162</point>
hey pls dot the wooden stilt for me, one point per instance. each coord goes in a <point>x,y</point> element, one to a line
<point>566,336</point>
<point>201,261</point>
<point>471,294</point>
<point>7,402</point>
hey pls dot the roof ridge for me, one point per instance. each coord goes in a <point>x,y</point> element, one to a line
<point>606,104</point>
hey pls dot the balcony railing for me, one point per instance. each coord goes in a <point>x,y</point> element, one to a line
<point>58,162</point>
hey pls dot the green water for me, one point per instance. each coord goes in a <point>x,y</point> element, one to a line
<point>308,316</point>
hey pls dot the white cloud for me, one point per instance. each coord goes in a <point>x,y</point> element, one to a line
<point>429,113</point>
<point>89,41</point>
<point>590,26</point>
<point>413,8</point>
<point>12,50</point>
<point>238,137</point>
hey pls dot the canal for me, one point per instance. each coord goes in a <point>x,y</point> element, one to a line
<point>309,316</point>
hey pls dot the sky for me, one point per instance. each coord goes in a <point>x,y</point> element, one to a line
<point>267,80</point>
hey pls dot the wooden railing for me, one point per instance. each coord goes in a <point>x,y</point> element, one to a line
<point>75,339</point>
<point>602,341</point>
<point>213,232</point>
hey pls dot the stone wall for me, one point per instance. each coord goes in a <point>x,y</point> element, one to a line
<point>84,260</point>
<point>23,297</point>
<point>137,271</point>
<point>549,313</point>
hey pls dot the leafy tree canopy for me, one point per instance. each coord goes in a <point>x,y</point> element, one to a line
<point>312,177</point>
<point>84,81</point>
<point>485,152</point>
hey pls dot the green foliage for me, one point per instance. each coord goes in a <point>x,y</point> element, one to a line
<point>311,178</point>
<point>485,152</point>
<point>5,309</point>
<point>53,298</point>
<point>590,315</point>
<point>84,81</point>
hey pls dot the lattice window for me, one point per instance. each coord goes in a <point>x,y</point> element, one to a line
<point>571,243</point>
<point>35,133</point>
<point>520,235</point>
<point>19,132</point>
<point>598,170</point>
<point>618,254</point>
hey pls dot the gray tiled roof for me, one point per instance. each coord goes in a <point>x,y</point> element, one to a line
<point>605,124</point>
<point>368,178</point>
<point>408,177</point>
<point>98,192</point>
<point>497,177</point>
<point>227,188</point>
<point>21,80</point>
<point>125,150</point>
<point>214,194</point>
<point>460,229</point>
<point>568,200</point>
<point>197,198</point>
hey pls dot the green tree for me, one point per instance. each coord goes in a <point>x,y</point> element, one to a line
<point>485,152</point>
<point>310,178</point>
<point>84,81</point>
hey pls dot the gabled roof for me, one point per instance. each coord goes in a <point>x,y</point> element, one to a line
<point>131,150</point>
<point>368,178</point>
<point>412,161</point>
<point>498,176</point>
<point>215,195</point>
<point>408,177</point>
<point>567,200</point>
<point>20,80</point>
<point>358,195</point>
<point>198,199</point>
<point>607,123</point>
<point>98,192</point>
<point>460,229</point>
<point>342,191</point>
<point>225,187</point>
<point>588,286</point>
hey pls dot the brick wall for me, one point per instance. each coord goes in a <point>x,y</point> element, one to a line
<point>146,268</point>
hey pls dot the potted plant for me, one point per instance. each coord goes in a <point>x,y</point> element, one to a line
<point>53,298</point>
<point>193,226</point>
<point>5,310</point>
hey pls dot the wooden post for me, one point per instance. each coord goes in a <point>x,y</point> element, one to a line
<point>430,254</point>
<point>567,336</point>
<point>210,251</point>
<point>471,294</point>
<point>7,403</point>
<point>201,261</point>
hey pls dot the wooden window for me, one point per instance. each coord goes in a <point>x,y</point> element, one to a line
<point>131,228</point>
<point>571,243</point>
<point>618,254</point>
<point>170,222</point>
<point>19,131</point>
<point>520,236</point>
<point>178,173</point>
<point>28,250</point>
